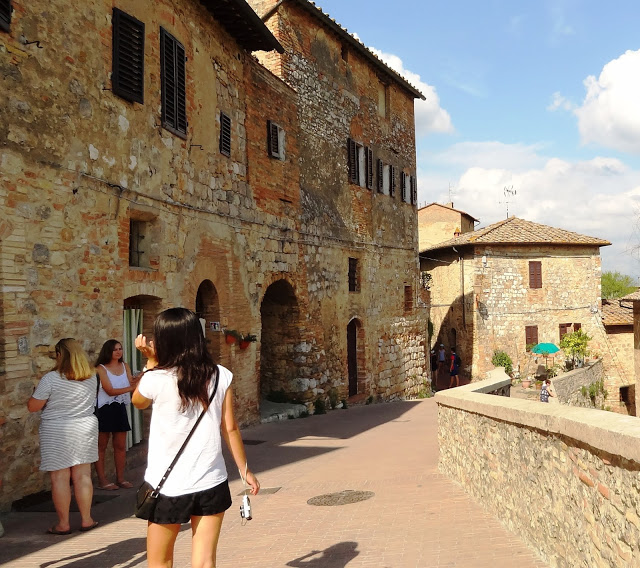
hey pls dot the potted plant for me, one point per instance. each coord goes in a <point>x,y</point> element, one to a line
<point>231,336</point>
<point>246,339</point>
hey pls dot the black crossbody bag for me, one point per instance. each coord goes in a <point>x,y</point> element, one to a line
<point>147,495</point>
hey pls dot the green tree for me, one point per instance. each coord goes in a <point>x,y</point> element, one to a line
<point>616,285</point>
<point>575,345</point>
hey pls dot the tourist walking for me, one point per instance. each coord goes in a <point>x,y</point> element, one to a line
<point>68,432</point>
<point>442,360</point>
<point>180,379</point>
<point>114,394</point>
<point>454,368</point>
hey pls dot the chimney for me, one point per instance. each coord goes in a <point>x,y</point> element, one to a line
<point>456,233</point>
<point>449,205</point>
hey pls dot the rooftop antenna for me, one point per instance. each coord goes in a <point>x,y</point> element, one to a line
<point>509,193</point>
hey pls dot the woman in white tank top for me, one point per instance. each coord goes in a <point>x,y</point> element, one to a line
<point>116,384</point>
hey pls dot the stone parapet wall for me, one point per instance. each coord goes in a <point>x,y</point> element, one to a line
<point>564,478</point>
<point>568,386</point>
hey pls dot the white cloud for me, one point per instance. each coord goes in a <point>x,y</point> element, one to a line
<point>610,113</point>
<point>430,116</point>
<point>560,102</point>
<point>598,197</point>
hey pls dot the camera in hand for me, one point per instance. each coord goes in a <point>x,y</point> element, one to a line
<point>245,508</point>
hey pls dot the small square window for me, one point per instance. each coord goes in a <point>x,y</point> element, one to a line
<point>138,254</point>
<point>225,134</point>
<point>354,275</point>
<point>5,15</point>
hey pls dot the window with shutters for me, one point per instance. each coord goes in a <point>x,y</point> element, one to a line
<point>357,162</point>
<point>413,185</point>
<point>368,154</point>
<point>531,336</point>
<point>354,275</point>
<point>275,140</point>
<point>173,81</point>
<point>5,15</point>
<point>392,181</point>
<point>127,74</point>
<point>405,187</point>
<point>138,256</point>
<point>225,134</point>
<point>577,326</point>
<point>408,299</point>
<point>535,274</point>
<point>564,329</point>
<point>380,184</point>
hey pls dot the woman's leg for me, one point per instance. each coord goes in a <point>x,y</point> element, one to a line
<point>61,495</point>
<point>83,490</point>
<point>103,442</point>
<point>120,454</point>
<point>206,531</point>
<point>160,542</point>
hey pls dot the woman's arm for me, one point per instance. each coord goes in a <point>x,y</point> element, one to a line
<point>35,404</point>
<point>231,435</point>
<point>106,384</point>
<point>140,401</point>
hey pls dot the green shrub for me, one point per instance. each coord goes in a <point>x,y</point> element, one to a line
<point>501,359</point>
<point>370,400</point>
<point>320,406</point>
<point>333,398</point>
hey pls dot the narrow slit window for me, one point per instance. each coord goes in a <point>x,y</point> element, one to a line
<point>354,275</point>
<point>275,140</point>
<point>408,299</point>
<point>137,255</point>
<point>225,134</point>
<point>5,15</point>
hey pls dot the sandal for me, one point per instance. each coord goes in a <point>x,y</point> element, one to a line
<point>108,487</point>
<point>125,484</point>
<point>54,530</point>
<point>90,527</point>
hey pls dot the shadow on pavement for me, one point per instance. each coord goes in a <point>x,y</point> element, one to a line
<point>336,556</point>
<point>125,553</point>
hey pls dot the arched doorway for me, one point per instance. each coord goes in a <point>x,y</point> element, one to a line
<point>355,357</point>
<point>280,316</point>
<point>208,310</point>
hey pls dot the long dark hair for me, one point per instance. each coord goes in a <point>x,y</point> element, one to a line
<point>180,345</point>
<point>106,353</point>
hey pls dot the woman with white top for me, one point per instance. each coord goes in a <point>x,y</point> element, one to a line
<point>180,380</point>
<point>116,384</point>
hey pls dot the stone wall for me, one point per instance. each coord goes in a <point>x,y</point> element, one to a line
<point>438,223</point>
<point>568,386</point>
<point>564,479</point>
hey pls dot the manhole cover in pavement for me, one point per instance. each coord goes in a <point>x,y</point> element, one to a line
<point>342,498</point>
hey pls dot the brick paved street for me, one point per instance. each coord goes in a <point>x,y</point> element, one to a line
<point>416,518</point>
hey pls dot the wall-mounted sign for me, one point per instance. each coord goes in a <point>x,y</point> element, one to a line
<point>214,325</point>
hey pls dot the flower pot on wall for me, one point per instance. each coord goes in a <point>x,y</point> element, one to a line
<point>244,344</point>
<point>229,339</point>
<point>526,383</point>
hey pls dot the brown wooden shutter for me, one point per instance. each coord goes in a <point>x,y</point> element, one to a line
<point>225,134</point>
<point>5,15</point>
<point>127,76</point>
<point>380,176</point>
<point>535,274</point>
<point>577,326</point>
<point>368,152</point>
<point>273,142</point>
<point>352,150</point>
<point>414,190</point>
<point>173,83</point>
<point>531,335</point>
<point>564,329</point>
<point>392,181</point>
<point>403,186</point>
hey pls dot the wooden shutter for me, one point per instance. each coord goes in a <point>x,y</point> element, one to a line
<point>368,153</point>
<point>564,329</point>
<point>380,176</point>
<point>535,274</point>
<point>392,181</point>
<point>403,186</point>
<point>352,149</point>
<point>531,334</point>
<point>5,15</point>
<point>225,134</point>
<point>173,80</point>
<point>127,76</point>
<point>273,141</point>
<point>414,190</point>
<point>577,326</point>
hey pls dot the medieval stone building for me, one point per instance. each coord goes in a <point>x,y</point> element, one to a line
<point>512,285</point>
<point>149,160</point>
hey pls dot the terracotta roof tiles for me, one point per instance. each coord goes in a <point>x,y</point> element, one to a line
<point>617,312</point>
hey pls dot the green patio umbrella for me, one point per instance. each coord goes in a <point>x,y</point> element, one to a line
<point>545,348</point>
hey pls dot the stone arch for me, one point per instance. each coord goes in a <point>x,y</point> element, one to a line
<point>207,308</point>
<point>356,367</point>
<point>280,337</point>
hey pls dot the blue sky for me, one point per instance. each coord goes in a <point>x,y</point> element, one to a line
<point>539,95</point>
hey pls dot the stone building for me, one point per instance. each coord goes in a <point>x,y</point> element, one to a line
<point>438,223</point>
<point>513,284</point>
<point>149,160</point>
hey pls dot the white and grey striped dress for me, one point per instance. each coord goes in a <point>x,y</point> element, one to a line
<point>68,427</point>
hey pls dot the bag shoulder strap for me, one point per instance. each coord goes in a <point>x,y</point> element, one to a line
<point>184,444</point>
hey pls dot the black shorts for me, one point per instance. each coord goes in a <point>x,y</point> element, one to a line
<point>178,510</point>
<point>113,418</point>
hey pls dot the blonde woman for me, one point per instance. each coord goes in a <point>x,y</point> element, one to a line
<point>68,432</point>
